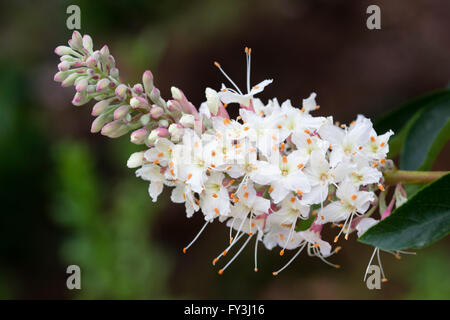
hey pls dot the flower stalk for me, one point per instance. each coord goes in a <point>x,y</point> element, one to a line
<point>411,177</point>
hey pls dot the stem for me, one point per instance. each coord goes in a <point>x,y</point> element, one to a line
<point>412,177</point>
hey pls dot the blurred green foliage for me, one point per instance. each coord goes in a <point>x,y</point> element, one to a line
<point>111,246</point>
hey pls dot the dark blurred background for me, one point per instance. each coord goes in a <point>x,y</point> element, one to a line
<point>68,198</point>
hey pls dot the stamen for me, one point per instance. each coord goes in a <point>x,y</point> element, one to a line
<point>232,243</point>
<point>196,237</point>
<point>248,52</point>
<point>256,254</point>
<point>226,76</point>
<point>237,253</point>
<point>290,261</point>
<point>370,263</point>
<point>384,279</point>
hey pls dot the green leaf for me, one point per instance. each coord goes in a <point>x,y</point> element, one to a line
<point>427,136</point>
<point>305,224</point>
<point>424,219</point>
<point>402,118</point>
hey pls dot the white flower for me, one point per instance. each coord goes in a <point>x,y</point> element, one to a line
<point>287,175</point>
<point>346,142</point>
<point>161,153</point>
<point>351,202</point>
<point>377,147</point>
<point>182,193</point>
<point>228,95</point>
<point>152,173</point>
<point>306,140</point>
<point>247,201</point>
<point>193,161</point>
<point>320,176</point>
<point>263,131</point>
<point>309,104</point>
<point>359,172</point>
<point>214,200</point>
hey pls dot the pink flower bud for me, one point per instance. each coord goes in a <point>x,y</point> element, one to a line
<point>162,132</point>
<point>155,95</point>
<point>91,62</point>
<point>114,73</point>
<point>121,112</point>
<point>139,136</point>
<point>104,52</point>
<point>81,85</point>
<point>137,88</point>
<point>77,41</point>
<point>79,99</point>
<point>173,106</point>
<point>70,80</point>
<point>99,122</point>
<point>60,76</point>
<point>156,112</point>
<point>114,129</point>
<point>102,84</point>
<point>147,80</point>
<point>121,91</point>
<point>139,102</point>
<point>99,107</point>
<point>64,66</point>
<point>87,43</point>
<point>64,50</point>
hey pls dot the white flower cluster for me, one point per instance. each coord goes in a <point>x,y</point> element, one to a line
<point>261,173</point>
<point>264,171</point>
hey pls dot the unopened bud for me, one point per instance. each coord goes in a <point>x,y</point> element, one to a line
<point>79,99</point>
<point>61,76</point>
<point>114,129</point>
<point>99,107</point>
<point>187,120</point>
<point>104,52</point>
<point>138,89</point>
<point>145,119</point>
<point>156,112</point>
<point>81,84</point>
<point>102,84</point>
<point>138,102</point>
<point>212,100</point>
<point>64,65</point>
<point>136,159</point>
<point>176,93</point>
<point>77,41</point>
<point>64,50</point>
<point>139,136</point>
<point>157,133</point>
<point>91,62</point>
<point>173,106</point>
<point>70,80</point>
<point>163,123</point>
<point>121,91</point>
<point>147,80</point>
<point>155,95</point>
<point>121,112</point>
<point>87,43</point>
<point>99,122</point>
<point>114,73</point>
<point>176,131</point>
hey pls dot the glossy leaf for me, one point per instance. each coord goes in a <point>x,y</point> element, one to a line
<point>401,119</point>
<point>427,136</point>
